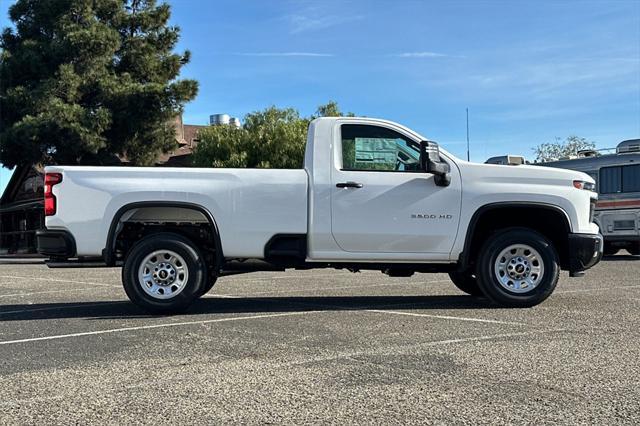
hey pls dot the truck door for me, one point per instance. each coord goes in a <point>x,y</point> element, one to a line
<point>381,202</point>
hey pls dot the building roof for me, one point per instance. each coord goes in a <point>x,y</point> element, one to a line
<point>15,184</point>
<point>187,137</point>
<point>191,133</point>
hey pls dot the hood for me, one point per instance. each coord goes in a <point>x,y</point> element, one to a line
<point>528,174</point>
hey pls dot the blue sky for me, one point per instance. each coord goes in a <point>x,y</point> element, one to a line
<point>528,71</point>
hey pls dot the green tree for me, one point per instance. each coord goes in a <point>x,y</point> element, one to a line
<point>82,80</point>
<point>222,146</point>
<point>330,109</point>
<point>271,138</point>
<point>560,149</point>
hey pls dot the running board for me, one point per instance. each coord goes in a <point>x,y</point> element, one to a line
<point>235,267</point>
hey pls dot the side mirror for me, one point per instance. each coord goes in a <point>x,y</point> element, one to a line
<point>430,163</point>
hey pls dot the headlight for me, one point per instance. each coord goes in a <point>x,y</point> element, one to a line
<point>580,184</point>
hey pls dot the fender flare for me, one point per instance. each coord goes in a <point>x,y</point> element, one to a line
<point>108,251</point>
<point>463,261</point>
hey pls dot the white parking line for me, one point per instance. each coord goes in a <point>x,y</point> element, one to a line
<point>427,344</point>
<point>208,296</point>
<point>44,292</point>
<point>58,280</point>
<point>587,290</point>
<point>447,317</point>
<point>380,311</point>
<point>152,326</point>
<point>490,337</point>
<point>58,307</point>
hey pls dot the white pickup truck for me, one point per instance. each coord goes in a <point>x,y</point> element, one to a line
<point>372,195</point>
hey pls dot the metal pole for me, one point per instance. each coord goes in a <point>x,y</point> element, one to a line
<point>468,135</point>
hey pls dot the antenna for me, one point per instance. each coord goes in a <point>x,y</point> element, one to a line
<point>468,134</point>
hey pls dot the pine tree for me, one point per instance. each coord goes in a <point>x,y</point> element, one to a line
<point>82,80</point>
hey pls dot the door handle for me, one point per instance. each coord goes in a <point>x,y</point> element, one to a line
<point>349,185</point>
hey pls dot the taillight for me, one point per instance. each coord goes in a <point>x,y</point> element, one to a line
<point>50,179</point>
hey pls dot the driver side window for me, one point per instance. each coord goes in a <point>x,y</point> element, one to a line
<point>375,148</point>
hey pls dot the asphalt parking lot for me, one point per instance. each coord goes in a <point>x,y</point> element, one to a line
<point>318,347</point>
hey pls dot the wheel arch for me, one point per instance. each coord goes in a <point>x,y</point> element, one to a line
<point>108,251</point>
<point>483,221</point>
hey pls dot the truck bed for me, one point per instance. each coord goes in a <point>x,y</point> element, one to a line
<point>249,205</point>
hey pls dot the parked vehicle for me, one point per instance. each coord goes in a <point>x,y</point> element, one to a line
<point>372,195</point>
<point>617,177</point>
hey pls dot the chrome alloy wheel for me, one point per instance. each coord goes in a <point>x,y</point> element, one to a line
<point>519,268</point>
<point>163,274</point>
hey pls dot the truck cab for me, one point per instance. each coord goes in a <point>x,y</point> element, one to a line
<point>383,205</point>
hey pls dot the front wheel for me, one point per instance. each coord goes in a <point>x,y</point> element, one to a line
<point>164,273</point>
<point>518,267</point>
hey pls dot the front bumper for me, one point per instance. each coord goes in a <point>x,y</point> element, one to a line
<point>585,250</point>
<point>55,243</point>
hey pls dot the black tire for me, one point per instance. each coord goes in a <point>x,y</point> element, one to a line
<point>610,250</point>
<point>193,283</point>
<point>488,277</point>
<point>207,287</point>
<point>466,282</point>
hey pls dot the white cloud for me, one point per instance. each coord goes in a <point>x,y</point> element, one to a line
<point>286,54</point>
<point>424,54</point>
<point>301,23</point>
<point>543,79</point>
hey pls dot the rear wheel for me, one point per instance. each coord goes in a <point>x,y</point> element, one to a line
<point>164,273</point>
<point>466,282</point>
<point>518,267</point>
